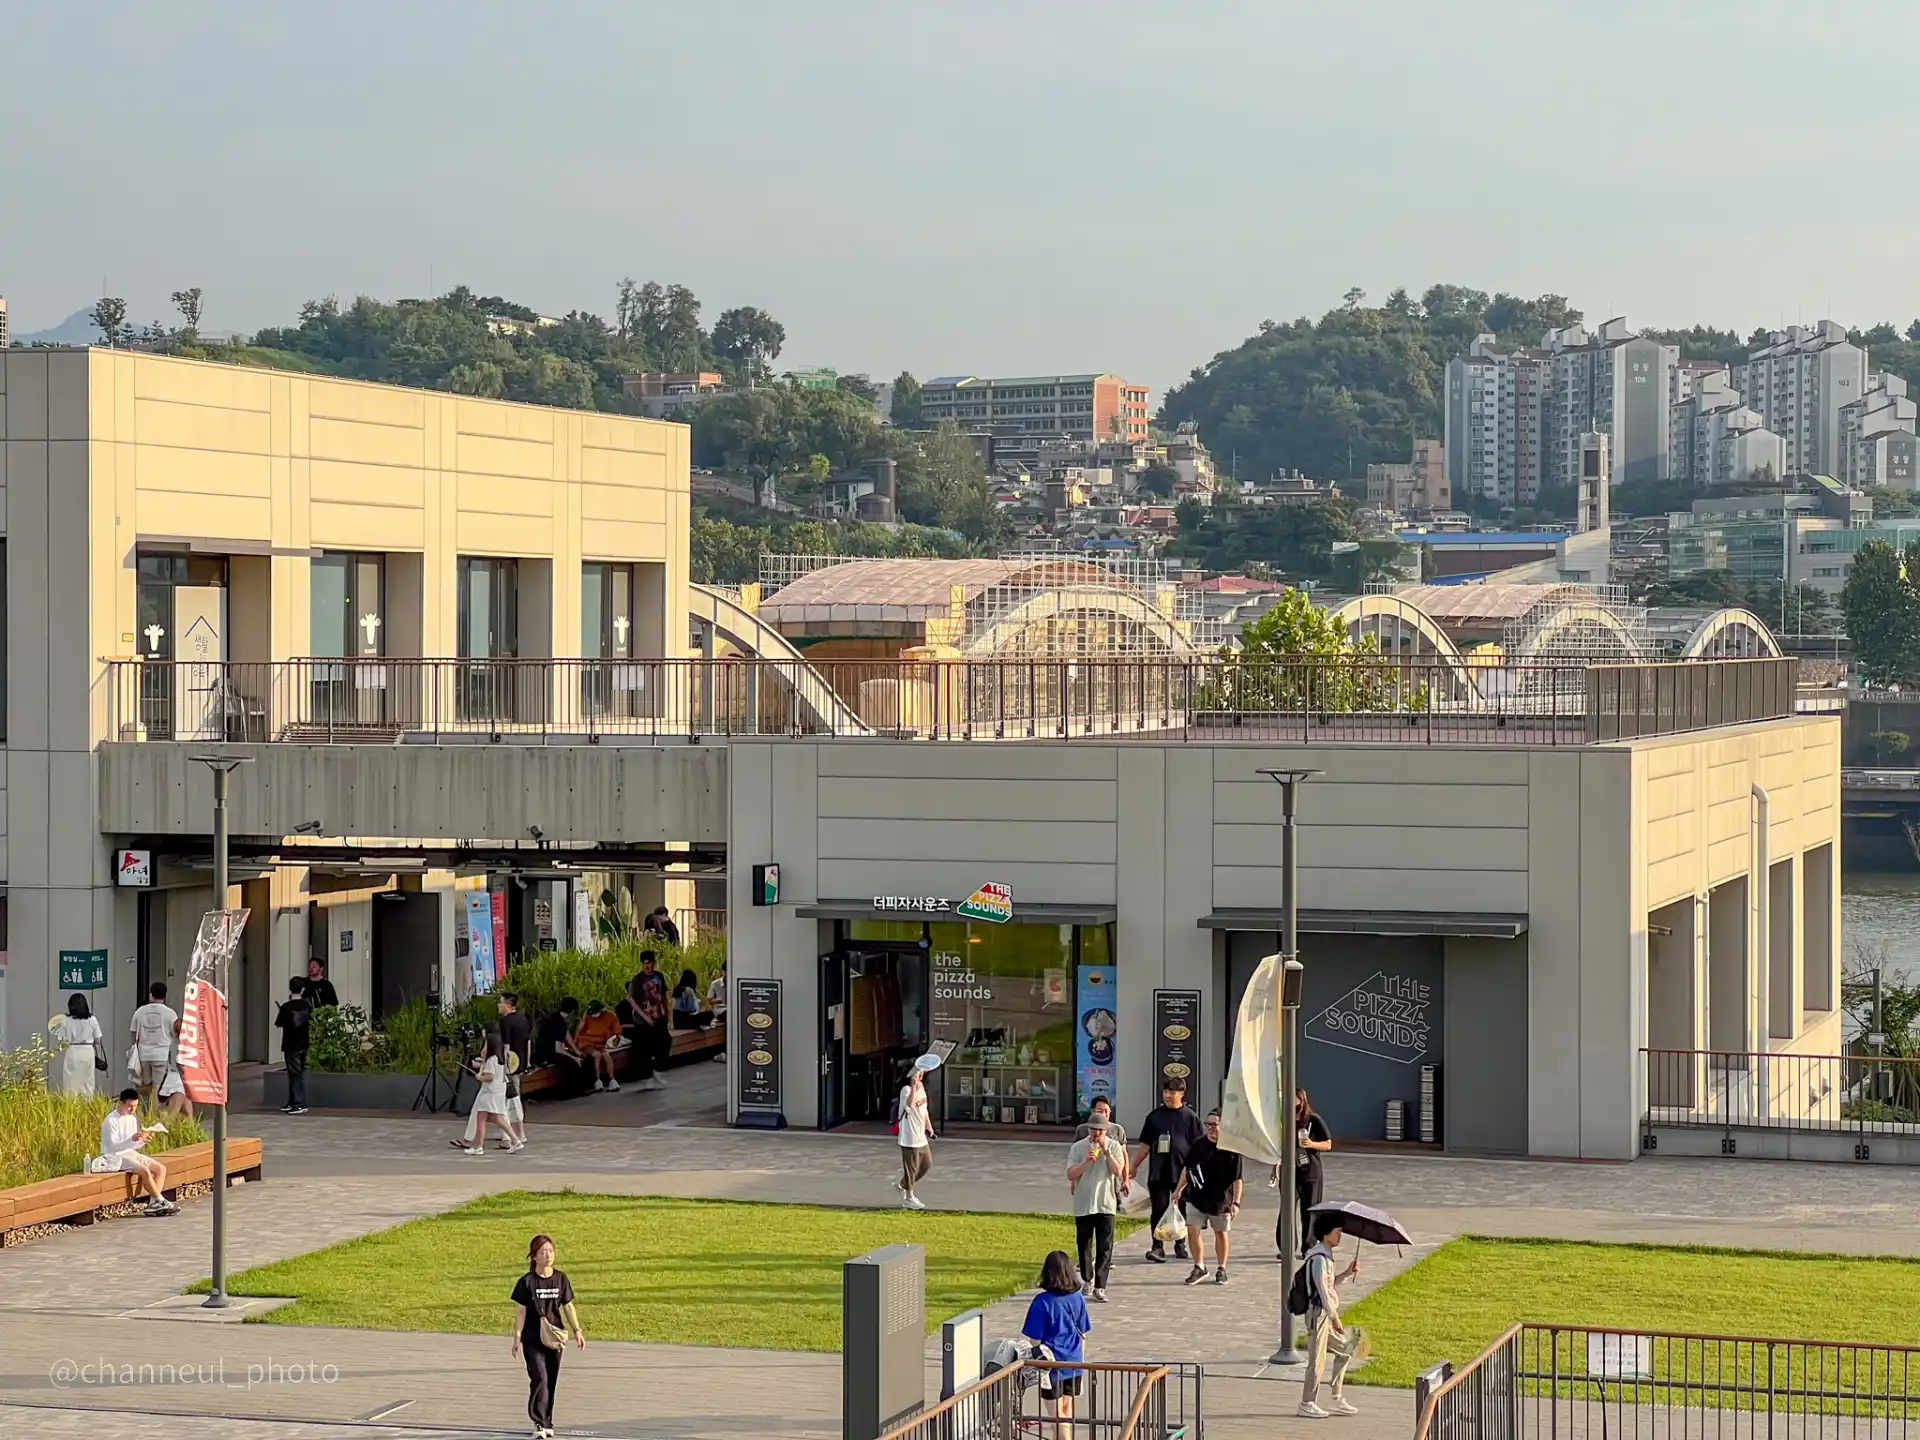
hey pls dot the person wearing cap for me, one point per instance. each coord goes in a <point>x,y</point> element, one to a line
<point>915,1124</point>
<point>1171,1130</point>
<point>1097,1171</point>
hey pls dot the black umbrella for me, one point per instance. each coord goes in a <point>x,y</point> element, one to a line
<point>1364,1222</point>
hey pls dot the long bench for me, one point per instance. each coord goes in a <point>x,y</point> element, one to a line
<point>685,1045</point>
<point>79,1198</point>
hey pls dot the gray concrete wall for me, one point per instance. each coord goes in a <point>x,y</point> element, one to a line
<point>1484,1081</point>
<point>634,794</point>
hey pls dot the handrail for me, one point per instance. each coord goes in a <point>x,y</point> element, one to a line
<point>998,1379</point>
<point>1151,1376</point>
<point>1140,1396</point>
<point>1460,1376</point>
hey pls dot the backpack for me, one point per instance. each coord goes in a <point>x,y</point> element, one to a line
<point>1299,1300</point>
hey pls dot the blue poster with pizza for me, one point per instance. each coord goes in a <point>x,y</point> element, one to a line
<point>1096,1032</point>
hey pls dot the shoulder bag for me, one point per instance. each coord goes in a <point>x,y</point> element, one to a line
<point>552,1336</point>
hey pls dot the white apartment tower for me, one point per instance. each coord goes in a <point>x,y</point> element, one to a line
<point>1610,382</point>
<point>1493,424</point>
<point>1878,436</point>
<point>1715,438</point>
<point>1800,381</point>
<point>3,323</point>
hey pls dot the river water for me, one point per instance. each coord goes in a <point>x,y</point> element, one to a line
<point>1880,920</point>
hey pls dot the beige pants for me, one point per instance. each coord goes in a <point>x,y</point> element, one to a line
<point>1323,1341</point>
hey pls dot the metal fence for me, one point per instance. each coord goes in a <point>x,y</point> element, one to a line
<point>1308,701</point>
<point>1570,1382</point>
<point>1730,1090</point>
<point>1116,1402</point>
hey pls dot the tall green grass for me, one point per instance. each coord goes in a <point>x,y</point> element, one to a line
<point>44,1135</point>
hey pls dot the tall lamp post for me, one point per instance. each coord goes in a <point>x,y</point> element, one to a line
<point>223,767</point>
<point>1288,978</point>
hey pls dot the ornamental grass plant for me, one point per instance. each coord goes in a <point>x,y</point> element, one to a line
<point>44,1134</point>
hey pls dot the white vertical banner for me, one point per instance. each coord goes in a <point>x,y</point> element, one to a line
<point>1251,1111</point>
<point>583,936</point>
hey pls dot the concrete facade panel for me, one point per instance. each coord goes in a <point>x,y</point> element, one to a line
<point>956,879</point>
<point>1327,802</point>
<point>1553,956</point>
<point>1238,886</point>
<point>1374,764</point>
<point>1612,961</point>
<point>982,841</point>
<point>1005,800</point>
<point>1386,846</point>
<point>969,762</point>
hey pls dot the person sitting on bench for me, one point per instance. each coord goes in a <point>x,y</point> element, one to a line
<point>553,1045</point>
<point>687,1011</point>
<point>594,1039</point>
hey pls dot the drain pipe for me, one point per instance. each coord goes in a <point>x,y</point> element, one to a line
<point>1762,884</point>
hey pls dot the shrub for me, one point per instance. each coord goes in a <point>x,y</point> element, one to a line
<point>44,1135</point>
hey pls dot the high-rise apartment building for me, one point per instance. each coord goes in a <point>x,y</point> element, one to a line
<point>3,323</point>
<point>1493,424</point>
<point>1879,436</point>
<point>1715,438</point>
<point>1799,381</point>
<point>1073,407</point>
<point>1610,382</point>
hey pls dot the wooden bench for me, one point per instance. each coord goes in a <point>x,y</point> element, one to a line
<point>79,1198</point>
<point>684,1045</point>
<point>698,1042</point>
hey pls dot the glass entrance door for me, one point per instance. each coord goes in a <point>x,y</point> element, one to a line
<point>873,1023</point>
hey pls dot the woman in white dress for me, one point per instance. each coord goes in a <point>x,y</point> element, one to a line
<point>79,1037</point>
<point>490,1104</point>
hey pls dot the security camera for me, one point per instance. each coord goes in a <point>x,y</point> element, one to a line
<point>536,832</point>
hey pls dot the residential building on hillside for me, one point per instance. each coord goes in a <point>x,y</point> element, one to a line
<point>3,322</point>
<point>1419,485</point>
<point>1687,375</point>
<point>1799,381</point>
<point>1493,424</point>
<point>1075,407</point>
<point>1611,382</point>
<point>1715,439</point>
<point>1878,436</point>
<point>663,396</point>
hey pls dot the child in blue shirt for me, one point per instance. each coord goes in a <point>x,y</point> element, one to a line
<point>1058,1319</point>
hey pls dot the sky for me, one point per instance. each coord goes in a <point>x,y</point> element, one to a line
<point>994,187</point>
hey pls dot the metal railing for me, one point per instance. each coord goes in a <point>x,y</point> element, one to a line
<point>694,924</point>
<point>1116,1402</point>
<point>1731,1090</point>
<point>1307,701</point>
<point>1578,1381</point>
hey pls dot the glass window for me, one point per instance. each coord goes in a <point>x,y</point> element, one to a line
<point>606,611</point>
<point>328,587</point>
<point>489,609</point>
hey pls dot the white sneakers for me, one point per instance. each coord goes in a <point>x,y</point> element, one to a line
<point>1340,1405</point>
<point>914,1202</point>
<point>1336,1405</point>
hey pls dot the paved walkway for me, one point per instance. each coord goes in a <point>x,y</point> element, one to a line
<point>91,1295</point>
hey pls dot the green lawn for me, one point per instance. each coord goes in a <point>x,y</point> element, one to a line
<point>694,1272</point>
<point>1451,1305</point>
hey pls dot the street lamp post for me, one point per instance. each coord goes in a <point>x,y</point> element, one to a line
<point>1288,978</point>
<point>223,767</point>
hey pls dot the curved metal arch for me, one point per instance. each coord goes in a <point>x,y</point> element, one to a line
<point>1572,615</point>
<point>1355,613</point>
<point>1731,633</point>
<point>746,630</point>
<point>998,637</point>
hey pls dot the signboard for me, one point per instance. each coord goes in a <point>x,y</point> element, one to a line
<point>1096,1031</point>
<point>83,969</point>
<point>346,942</point>
<point>756,1012</point>
<point>916,904</point>
<point>584,937</point>
<point>1176,1035</point>
<point>479,906</point>
<point>1385,1016</point>
<point>499,910</point>
<point>766,885</point>
<point>992,903</point>
<point>203,1043</point>
<point>133,868</point>
<point>1619,1357</point>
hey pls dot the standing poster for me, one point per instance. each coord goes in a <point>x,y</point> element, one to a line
<point>1096,1030</point>
<point>499,903</point>
<point>480,939</point>
<point>583,936</point>
<point>1176,1036</point>
<point>757,1091</point>
<point>203,1043</point>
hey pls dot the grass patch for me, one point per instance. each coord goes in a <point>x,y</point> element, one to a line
<point>1458,1300</point>
<point>690,1272</point>
<point>44,1134</point>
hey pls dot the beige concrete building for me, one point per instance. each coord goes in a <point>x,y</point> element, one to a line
<point>184,539</point>
<point>1529,920</point>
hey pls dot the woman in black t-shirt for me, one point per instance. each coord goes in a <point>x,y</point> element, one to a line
<point>1312,1139</point>
<point>543,1293</point>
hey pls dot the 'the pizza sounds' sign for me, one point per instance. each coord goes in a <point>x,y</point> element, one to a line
<point>991,902</point>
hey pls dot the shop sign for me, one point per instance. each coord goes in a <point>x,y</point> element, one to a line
<point>133,868</point>
<point>1176,1035</point>
<point>83,969</point>
<point>992,903</point>
<point>757,1054</point>
<point>479,909</point>
<point>916,904</point>
<point>1385,1016</point>
<point>766,885</point>
<point>1096,1032</point>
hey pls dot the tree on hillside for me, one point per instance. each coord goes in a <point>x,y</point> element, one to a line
<point>906,401</point>
<point>942,482</point>
<point>110,314</point>
<point>188,303</point>
<point>749,338</point>
<point>1882,608</point>
<point>861,385</point>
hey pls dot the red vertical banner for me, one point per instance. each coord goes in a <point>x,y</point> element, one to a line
<point>499,934</point>
<point>203,1043</point>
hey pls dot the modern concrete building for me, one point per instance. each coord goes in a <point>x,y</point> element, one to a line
<point>662,397</point>
<point>1878,440</point>
<point>1593,493</point>
<point>1420,485</point>
<point>1526,919</point>
<point>1493,423</point>
<point>1800,381</point>
<point>1613,382</point>
<point>1715,439</point>
<point>3,322</point>
<point>200,556</point>
<point>1074,407</point>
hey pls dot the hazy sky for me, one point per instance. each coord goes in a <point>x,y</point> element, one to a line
<point>980,185</point>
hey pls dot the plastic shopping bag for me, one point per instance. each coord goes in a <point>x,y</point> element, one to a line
<point>1168,1226</point>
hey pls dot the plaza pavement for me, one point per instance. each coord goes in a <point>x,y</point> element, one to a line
<point>109,1293</point>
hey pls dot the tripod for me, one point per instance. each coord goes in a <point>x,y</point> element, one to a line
<point>430,1098</point>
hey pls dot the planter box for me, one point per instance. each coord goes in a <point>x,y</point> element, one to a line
<point>327,1090</point>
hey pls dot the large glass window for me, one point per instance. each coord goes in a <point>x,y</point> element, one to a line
<point>489,609</point>
<point>348,605</point>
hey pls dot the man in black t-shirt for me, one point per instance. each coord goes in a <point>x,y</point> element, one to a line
<point>320,990</point>
<point>1210,1187</point>
<point>553,1045</point>
<point>294,1021</point>
<point>516,1031</point>
<point>1170,1131</point>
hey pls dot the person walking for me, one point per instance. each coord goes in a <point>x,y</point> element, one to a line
<point>544,1319</point>
<point>490,1101</point>
<point>153,1029</point>
<point>648,992</point>
<point>1170,1131</point>
<point>82,1047</point>
<point>1327,1337</point>
<point>915,1124</point>
<point>1312,1140</point>
<point>121,1139</point>
<point>516,1034</point>
<point>1210,1184</point>
<point>1097,1170</point>
<point>1058,1319</point>
<point>294,1022</point>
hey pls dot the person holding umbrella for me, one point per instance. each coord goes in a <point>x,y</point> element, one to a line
<point>1317,1296</point>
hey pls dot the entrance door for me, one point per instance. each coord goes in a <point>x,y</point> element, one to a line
<point>873,1023</point>
<point>833,1044</point>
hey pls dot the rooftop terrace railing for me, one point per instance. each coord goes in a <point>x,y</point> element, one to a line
<point>1377,700</point>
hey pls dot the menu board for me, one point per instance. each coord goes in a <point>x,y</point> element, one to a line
<point>754,1019</point>
<point>1176,1038</point>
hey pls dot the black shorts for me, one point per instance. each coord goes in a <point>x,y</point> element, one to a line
<point>1053,1386</point>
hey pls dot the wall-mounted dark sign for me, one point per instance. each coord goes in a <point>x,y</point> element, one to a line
<point>1176,1038</point>
<point>754,1020</point>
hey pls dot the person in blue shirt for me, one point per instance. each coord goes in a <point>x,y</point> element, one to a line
<point>1057,1319</point>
